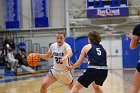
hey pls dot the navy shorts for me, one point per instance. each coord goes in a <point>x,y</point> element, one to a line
<point>93,75</point>
<point>138,67</point>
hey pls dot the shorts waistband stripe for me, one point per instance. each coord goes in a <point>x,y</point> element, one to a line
<point>98,67</point>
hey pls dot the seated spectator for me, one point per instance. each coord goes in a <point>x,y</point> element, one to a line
<point>21,57</point>
<point>11,59</point>
<point>22,61</point>
<point>8,43</point>
<point>9,40</point>
<point>2,56</point>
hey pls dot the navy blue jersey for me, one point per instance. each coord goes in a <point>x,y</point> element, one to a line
<point>136,31</point>
<point>97,55</point>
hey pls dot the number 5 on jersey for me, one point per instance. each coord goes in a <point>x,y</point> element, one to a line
<point>98,51</point>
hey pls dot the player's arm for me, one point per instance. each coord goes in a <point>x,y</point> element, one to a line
<point>135,37</point>
<point>68,53</point>
<point>46,56</point>
<point>80,60</point>
<point>134,41</point>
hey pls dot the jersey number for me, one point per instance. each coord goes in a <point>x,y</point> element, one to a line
<point>98,51</point>
<point>57,59</point>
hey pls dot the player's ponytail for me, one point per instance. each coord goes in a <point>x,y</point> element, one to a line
<point>94,37</point>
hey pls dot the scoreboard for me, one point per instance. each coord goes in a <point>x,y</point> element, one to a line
<point>106,8</point>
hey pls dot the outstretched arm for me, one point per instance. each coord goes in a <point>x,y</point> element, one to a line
<point>68,55</point>
<point>80,60</point>
<point>45,56</point>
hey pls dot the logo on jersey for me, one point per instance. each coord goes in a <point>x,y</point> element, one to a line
<point>58,54</point>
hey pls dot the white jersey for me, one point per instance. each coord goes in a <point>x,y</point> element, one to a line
<point>58,53</point>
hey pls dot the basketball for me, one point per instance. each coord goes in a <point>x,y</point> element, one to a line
<point>33,59</point>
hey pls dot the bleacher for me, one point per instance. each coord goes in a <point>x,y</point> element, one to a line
<point>43,65</point>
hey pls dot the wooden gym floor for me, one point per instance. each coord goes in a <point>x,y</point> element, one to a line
<point>118,81</point>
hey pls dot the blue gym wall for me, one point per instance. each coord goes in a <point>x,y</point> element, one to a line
<point>77,45</point>
<point>130,57</point>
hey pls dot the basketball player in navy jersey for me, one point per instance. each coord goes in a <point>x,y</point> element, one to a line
<point>133,44</point>
<point>97,71</point>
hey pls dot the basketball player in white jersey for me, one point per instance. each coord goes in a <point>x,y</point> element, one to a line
<point>61,52</point>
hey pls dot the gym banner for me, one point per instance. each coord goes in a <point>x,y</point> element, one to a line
<point>12,14</point>
<point>107,8</point>
<point>40,13</point>
<point>108,12</point>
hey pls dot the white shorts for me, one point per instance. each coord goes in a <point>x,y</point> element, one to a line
<point>61,76</point>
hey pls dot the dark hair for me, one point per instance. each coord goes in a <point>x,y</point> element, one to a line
<point>137,29</point>
<point>94,37</point>
<point>61,33</point>
<point>22,49</point>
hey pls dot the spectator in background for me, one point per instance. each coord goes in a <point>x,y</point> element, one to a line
<point>8,43</point>
<point>2,57</point>
<point>11,59</point>
<point>9,40</point>
<point>21,57</point>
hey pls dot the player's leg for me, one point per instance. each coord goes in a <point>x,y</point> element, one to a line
<point>136,83</point>
<point>67,78</point>
<point>83,81</point>
<point>97,88</point>
<point>47,81</point>
<point>100,75</point>
<point>76,87</point>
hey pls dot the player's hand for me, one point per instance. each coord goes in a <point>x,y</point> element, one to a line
<point>38,55</point>
<point>63,59</point>
<point>69,68</point>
